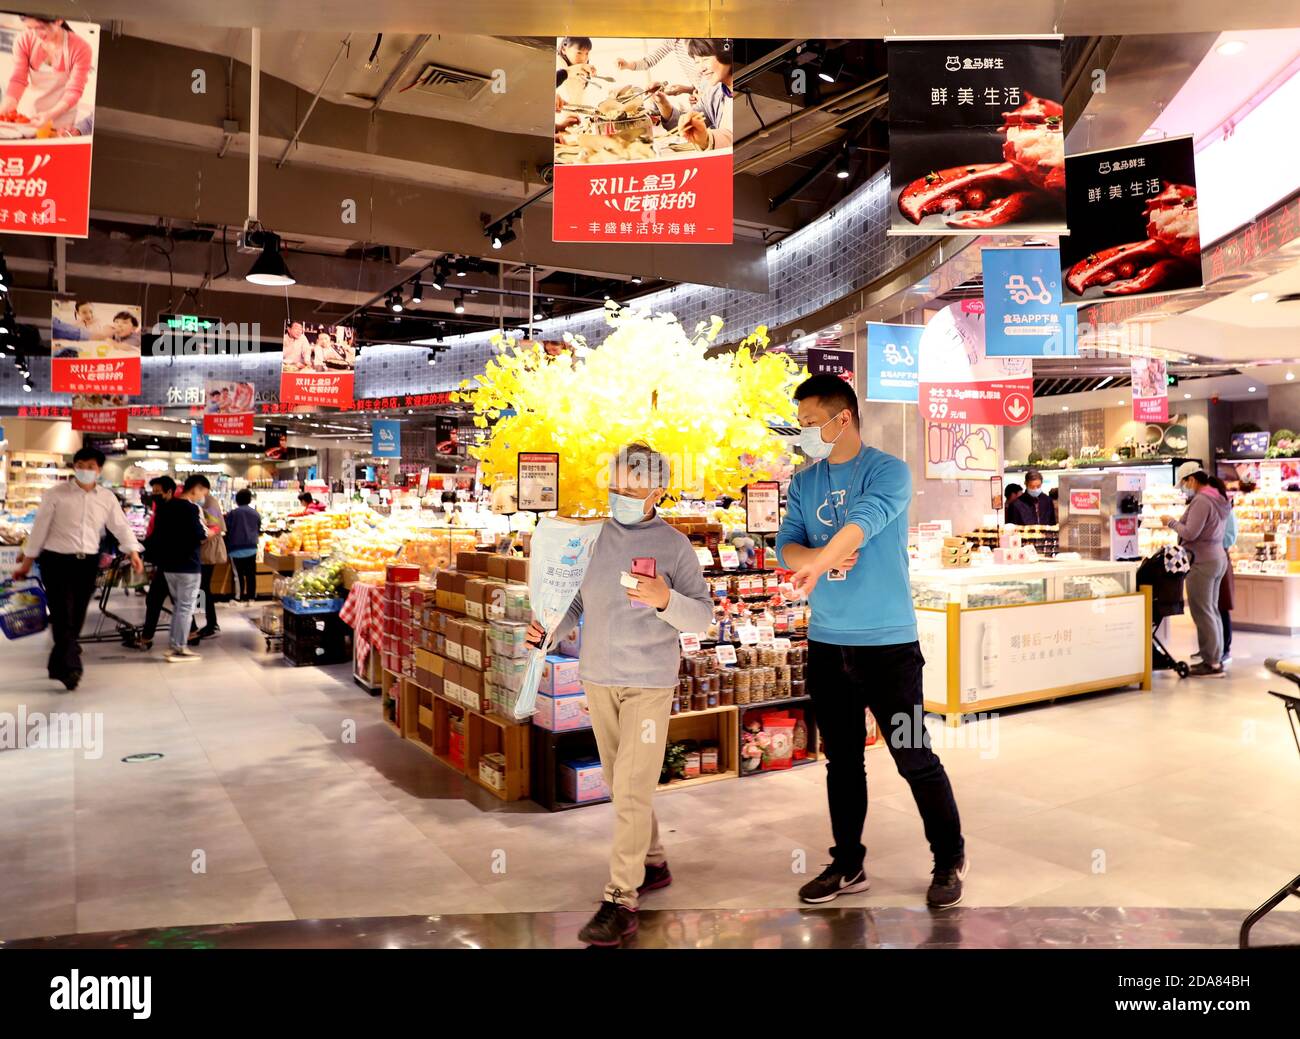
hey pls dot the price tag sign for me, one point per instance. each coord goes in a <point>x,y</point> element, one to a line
<point>690,642</point>
<point>726,654</point>
<point>763,507</point>
<point>729,557</point>
<point>783,644</point>
<point>767,636</point>
<point>704,556</point>
<point>538,481</point>
<point>747,634</point>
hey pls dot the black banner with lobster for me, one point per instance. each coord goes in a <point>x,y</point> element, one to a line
<point>1134,222</point>
<point>976,136</point>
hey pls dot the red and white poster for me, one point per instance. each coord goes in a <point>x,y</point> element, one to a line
<point>50,68</point>
<point>1085,501</point>
<point>1150,389</point>
<point>94,347</point>
<point>643,141</point>
<point>960,384</point>
<point>318,366</point>
<point>99,413</point>
<point>228,408</point>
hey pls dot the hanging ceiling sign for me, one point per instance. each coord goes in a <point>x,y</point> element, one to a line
<point>1023,316</point>
<point>94,347</point>
<point>318,366</point>
<point>643,136</point>
<point>960,383</point>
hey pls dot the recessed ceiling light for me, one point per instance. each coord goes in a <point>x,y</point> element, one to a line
<point>1259,297</point>
<point>1065,407</point>
<point>1290,376</point>
<point>1152,133</point>
<point>1250,389</point>
<point>1230,47</point>
<point>1122,400</point>
<point>1187,396</point>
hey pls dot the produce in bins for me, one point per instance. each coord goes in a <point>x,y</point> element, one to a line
<point>320,582</point>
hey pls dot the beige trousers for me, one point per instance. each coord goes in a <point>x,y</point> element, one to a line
<point>631,728</point>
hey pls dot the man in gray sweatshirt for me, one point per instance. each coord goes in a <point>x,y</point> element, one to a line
<point>628,664</point>
<point>1200,531</point>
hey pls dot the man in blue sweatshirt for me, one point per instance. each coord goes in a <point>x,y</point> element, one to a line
<point>628,665</point>
<point>845,538</point>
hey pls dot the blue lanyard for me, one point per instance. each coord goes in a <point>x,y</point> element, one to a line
<point>830,490</point>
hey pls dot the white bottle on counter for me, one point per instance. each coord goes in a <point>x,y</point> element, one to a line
<point>989,654</point>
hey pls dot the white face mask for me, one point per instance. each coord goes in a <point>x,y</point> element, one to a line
<point>626,509</point>
<point>812,444</point>
<point>86,477</point>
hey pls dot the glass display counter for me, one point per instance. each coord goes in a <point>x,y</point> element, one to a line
<point>996,636</point>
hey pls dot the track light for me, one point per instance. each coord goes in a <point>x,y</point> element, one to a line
<point>433,358</point>
<point>417,292</point>
<point>459,305</point>
<point>502,232</point>
<point>439,276</point>
<point>395,302</point>
<point>269,268</point>
<point>636,279</point>
<point>842,165</point>
<point>462,267</point>
<point>832,66</point>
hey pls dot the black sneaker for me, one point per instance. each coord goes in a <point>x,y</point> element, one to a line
<point>1203,670</point>
<point>611,924</point>
<point>832,883</point>
<point>71,680</point>
<point>945,888</point>
<point>656,876</point>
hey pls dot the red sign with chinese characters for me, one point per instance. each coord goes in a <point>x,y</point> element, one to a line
<point>46,191</point>
<point>960,384</point>
<point>99,420</point>
<point>323,389</point>
<point>117,375</point>
<point>664,202</point>
<point>237,425</point>
<point>1151,409</point>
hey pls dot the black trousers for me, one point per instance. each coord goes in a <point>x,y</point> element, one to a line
<point>245,577</point>
<point>843,681</point>
<point>205,587</point>
<point>1226,617</point>
<point>153,604</point>
<point>69,584</point>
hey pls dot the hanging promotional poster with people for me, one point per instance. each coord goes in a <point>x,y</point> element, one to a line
<point>976,136</point>
<point>961,385</point>
<point>276,442</point>
<point>47,123</point>
<point>1150,389</point>
<point>1134,222</point>
<point>318,365</point>
<point>892,354</point>
<point>1023,315</point>
<point>94,347</point>
<point>643,136</point>
<point>228,408</point>
<point>99,413</point>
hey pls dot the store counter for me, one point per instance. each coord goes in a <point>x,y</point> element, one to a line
<point>1264,601</point>
<point>996,636</point>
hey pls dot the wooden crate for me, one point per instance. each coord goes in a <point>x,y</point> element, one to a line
<point>390,699</point>
<point>417,715</point>
<point>717,725</point>
<point>489,734</point>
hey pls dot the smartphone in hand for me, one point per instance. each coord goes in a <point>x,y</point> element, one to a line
<point>643,566</point>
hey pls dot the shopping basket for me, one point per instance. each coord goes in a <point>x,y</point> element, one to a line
<point>23,609</point>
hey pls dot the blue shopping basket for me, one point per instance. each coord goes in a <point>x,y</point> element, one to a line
<point>23,608</point>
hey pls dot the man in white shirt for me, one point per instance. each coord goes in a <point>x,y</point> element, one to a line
<point>65,538</point>
<point>298,350</point>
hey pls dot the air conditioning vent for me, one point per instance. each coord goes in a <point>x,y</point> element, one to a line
<point>454,84</point>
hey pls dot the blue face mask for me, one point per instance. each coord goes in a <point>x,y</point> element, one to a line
<point>812,444</point>
<point>625,509</point>
<point>1035,492</point>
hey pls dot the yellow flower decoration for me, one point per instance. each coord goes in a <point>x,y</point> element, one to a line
<point>649,382</point>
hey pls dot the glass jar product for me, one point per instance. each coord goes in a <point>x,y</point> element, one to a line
<point>699,701</point>
<point>677,704</point>
<point>727,680</point>
<point>684,686</point>
<point>712,699</point>
<point>727,697</point>
<point>747,656</point>
<point>743,687</point>
<point>797,687</point>
<point>798,671</point>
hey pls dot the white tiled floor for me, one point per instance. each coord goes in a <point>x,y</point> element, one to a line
<point>1184,797</point>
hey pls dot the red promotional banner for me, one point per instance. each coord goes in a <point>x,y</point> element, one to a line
<point>47,123</point>
<point>228,408</point>
<point>318,365</point>
<point>959,383</point>
<point>643,141</point>
<point>94,347</point>
<point>228,425</point>
<point>99,420</point>
<point>1150,389</point>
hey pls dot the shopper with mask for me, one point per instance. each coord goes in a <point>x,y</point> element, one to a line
<point>628,665</point>
<point>845,538</point>
<point>1200,530</point>
<point>1034,507</point>
<point>70,522</point>
<point>178,534</point>
<point>161,488</point>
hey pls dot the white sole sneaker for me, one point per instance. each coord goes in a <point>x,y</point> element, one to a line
<point>181,658</point>
<point>849,889</point>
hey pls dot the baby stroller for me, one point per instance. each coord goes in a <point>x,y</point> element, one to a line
<point>1165,571</point>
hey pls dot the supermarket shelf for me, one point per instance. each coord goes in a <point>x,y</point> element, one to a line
<point>774,703</point>
<point>812,759</point>
<point>682,784</point>
<point>700,714</point>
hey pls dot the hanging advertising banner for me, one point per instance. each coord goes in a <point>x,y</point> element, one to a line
<point>318,365</point>
<point>962,452</point>
<point>1150,389</point>
<point>960,384</point>
<point>643,138</point>
<point>892,353</point>
<point>1023,316</point>
<point>94,347</point>
<point>277,441</point>
<point>445,435</point>
<point>228,408</point>
<point>47,124</point>
<point>199,445</point>
<point>823,361</point>
<point>99,413</point>
<point>386,438</point>
<point>1134,222</point>
<point>976,136</point>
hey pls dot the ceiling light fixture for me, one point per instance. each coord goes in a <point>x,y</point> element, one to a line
<point>1259,297</point>
<point>269,268</point>
<point>1290,376</point>
<point>636,279</point>
<point>832,66</point>
<point>417,292</point>
<point>842,165</point>
<point>502,232</point>
<point>1250,389</point>
<point>433,358</point>
<point>1230,48</point>
<point>461,267</point>
<point>395,302</point>
<point>459,305</point>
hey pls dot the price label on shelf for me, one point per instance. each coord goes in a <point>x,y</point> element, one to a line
<point>726,654</point>
<point>767,636</point>
<point>690,642</point>
<point>729,557</point>
<point>747,634</point>
<point>704,556</point>
<point>783,644</point>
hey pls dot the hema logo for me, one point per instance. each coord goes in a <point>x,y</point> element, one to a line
<point>73,992</point>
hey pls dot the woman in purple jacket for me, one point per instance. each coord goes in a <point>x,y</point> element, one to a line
<point>1200,531</point>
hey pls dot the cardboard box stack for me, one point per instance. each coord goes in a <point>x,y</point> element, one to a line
<point>404,595</point>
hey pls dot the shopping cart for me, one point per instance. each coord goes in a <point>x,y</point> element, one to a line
<point>1165,572</point>
<point>23,609</point>
<point>1288,669</point>
<point>116,576</point>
